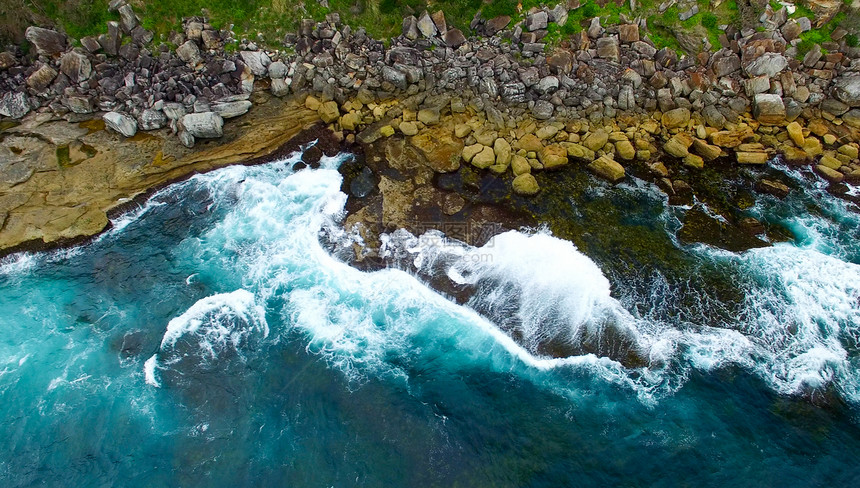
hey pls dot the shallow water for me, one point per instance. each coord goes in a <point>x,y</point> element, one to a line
<point>210,339</point>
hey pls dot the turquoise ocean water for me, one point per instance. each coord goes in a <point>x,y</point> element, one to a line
<point>209,339</point>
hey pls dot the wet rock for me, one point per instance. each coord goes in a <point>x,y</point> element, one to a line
<point>699,226</point>
<point>829,174</point>
<point>203,125</point>
<point>46,41</point>
<point>121,123</point>
<point>363,184</point>
<point>14,104</point>
<point>772,187</point>
<point>76,66</point>
<point>441,150</point>
<point>607,168</point>
<point>526,185</point>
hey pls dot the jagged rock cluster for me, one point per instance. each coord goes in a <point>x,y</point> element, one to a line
<point>607,96</point>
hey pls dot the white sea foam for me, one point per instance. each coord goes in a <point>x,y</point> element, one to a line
<point>213,325</point>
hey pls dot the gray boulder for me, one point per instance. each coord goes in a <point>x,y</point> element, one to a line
<point>151,119</point>
<point>542,110</point>
<point>203,125</point>
<point>547,85</point>
<point>76,66</point>
<point>127,18</point>
<point>189,52</point>
<point>454,38</point>
<point>257,61</point>
<point>120,123</point>
<point>537,21</point>
<point>14,104</point>
<point>228,110</point>
<point>426,25</point>
<point>770,64</point>
<point>46,41</point>
<point>847,90</point>
<point>277,70</point>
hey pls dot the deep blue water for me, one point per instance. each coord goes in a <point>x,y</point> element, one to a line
<point>209,339</point>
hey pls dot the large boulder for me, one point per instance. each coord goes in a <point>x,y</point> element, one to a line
<point>42,77</point>
<point>537,21</point>
<point>14,104</point>
<point>454,38</point>
<point>607,48</point>
<point>121,123</point>
<point>151,119</point>
<point>526,185</point>
<point>426,26</point>
<point>676,118</point>
<point>726,65</point>
<point>770,64</point>
<point>76,66</point>
<point>46,41</point>
<point>769,109</point>
<point>228,110</point>
<point>847,89</point>
<point>257,61</point>
<point>607,168</point>
<point>189,52</point>
<point>203,125</point>
<point>553,156</point>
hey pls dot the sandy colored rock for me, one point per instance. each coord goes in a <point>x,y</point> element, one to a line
<point>408,128</point>
<point>526,185</point>
<point>829,174</point>
<point>625,150</point>
<point>485,158</point>
<point>795,132</point>
<point>530,142</point>
<point>328,111</point>
<point>441,150</point>
<point>607,168</point>
<point>552,156</point>
<point>830,162</point>
<point>751,157</point>
<point>676,118</point>
<point>106,170</point>
<point>520,165</point>
<point>470,152</point>
<point>596,140</point>
<point>502,149</point>
<point>693,161</point>
<point>707,151</point>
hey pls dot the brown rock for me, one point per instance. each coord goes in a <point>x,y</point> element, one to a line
<point>607,168</point>
<point>553,156</point>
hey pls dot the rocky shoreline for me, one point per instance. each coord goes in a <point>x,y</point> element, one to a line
<point>498,107</point>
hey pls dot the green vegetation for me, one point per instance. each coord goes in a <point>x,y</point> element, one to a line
<point>266,21</point>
